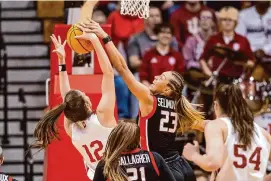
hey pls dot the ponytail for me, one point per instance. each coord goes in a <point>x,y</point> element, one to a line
<point>235,106</point>
<point>188,116</point>
<point>46,130</point>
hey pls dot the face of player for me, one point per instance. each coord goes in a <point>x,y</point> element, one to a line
<point>154,18</point>
<point>227,24</point>
<point>160,84</point>
<point>206,20</point>
<point>165,36</point>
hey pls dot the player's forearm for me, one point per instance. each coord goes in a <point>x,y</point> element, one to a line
<point>87,10</point>
<point>64,82</point>
<point>102,58</point>
<point>116,58</point>
<point>205,162</point>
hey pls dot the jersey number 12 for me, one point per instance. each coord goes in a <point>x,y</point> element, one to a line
<point>97,146</point>
<point>167,115</point>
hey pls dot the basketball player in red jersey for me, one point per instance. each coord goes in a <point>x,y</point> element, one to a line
<point>164,111</point>
<point>123,159</point>
<point>88,129</point>
<point>236,147</point>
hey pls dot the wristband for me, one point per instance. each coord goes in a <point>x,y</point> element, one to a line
<point>62,68</point>
<point>107,39</point>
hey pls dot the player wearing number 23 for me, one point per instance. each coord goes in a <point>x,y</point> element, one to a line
<point>237,149</point>
<point>164,111</point>
<point>123,159</point>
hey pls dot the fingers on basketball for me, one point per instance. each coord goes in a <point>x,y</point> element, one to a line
<point>78,45</point>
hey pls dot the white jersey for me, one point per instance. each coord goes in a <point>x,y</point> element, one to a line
<point>256,28</point>
<point>244,165</point>
<point>90,142</point>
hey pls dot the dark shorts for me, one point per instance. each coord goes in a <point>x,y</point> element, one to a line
<point>180,168</point>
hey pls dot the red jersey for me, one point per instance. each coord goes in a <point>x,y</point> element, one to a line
<point>124,26</point>
<point>184,21</point>
<point>238,43</point>
<point>153,63</point>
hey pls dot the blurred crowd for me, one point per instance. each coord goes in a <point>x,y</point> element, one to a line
<point>228,41</point>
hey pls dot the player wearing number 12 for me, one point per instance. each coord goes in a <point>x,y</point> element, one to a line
<point>123,159</point>
<point>88,129</point>
<point>164,111</point>
<point>237,149</point>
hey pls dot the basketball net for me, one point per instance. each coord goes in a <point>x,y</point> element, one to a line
<point>138,8</point>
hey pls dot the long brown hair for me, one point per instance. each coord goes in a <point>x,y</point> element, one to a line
<point>123,138</point>
<point>233,104</point>
<point>75,108</point>
<point>188,116</point>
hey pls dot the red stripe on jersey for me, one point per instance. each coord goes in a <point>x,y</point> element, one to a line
<point>132,151</point>
<point>154,164</point>
<point>143,125</point>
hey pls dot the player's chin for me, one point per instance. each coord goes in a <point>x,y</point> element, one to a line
<point>152,87</point>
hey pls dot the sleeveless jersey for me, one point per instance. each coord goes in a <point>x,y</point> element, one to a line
<point>90,142</point>
<point>158,129</point>
<point>244,165</point>
<point>140,165</point>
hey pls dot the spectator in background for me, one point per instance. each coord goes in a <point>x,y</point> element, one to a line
<point>162,57</point>
<point>99,16</point>
<point>145,40</point>
<point>123,27</point>
<point>185,20</point>
<point>255,24</point>
<point>228,17</point>
<point>4,177</point>
<point>194,45</point>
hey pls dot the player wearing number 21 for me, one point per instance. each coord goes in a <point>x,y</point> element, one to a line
<point>88,129</point>
<point>164,111</point>
<point>237,149</point>
<point>123,159</point>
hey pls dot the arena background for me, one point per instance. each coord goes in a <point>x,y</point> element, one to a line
<point>29,84</point>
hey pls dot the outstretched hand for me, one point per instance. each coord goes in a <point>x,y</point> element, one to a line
<point>91,26</point>
<point>86,34</point>
<point>59,47</point>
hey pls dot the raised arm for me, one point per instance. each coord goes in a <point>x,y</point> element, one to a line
<point>139,90</point>
<point>106,107</point>
<point>87,10</point>
<point>64,83</point>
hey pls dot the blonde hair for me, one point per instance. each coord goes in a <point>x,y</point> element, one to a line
<point>118,142</point>
<point>187,114</point>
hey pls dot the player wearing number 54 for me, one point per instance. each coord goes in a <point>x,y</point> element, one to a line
<point>236,147</point>
<point>123,159</point>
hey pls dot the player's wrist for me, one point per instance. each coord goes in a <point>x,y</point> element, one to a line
<point>107,39</point>
<point>62,67</point>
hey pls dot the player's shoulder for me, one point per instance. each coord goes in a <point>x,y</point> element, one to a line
<point>265,133</point>
<point>215,124</point>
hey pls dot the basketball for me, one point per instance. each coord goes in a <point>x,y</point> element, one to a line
<point>78,45</point>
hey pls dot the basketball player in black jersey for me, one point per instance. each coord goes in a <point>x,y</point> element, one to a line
<point>123,159</point>
<point>164,111</point>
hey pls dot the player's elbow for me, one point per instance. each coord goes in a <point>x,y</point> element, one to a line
<point>213,165</point>
<point>109,72</point>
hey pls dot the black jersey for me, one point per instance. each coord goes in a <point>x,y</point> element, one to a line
<point>4,177</point>
<point>140,165</point>
<point>158,130</point>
